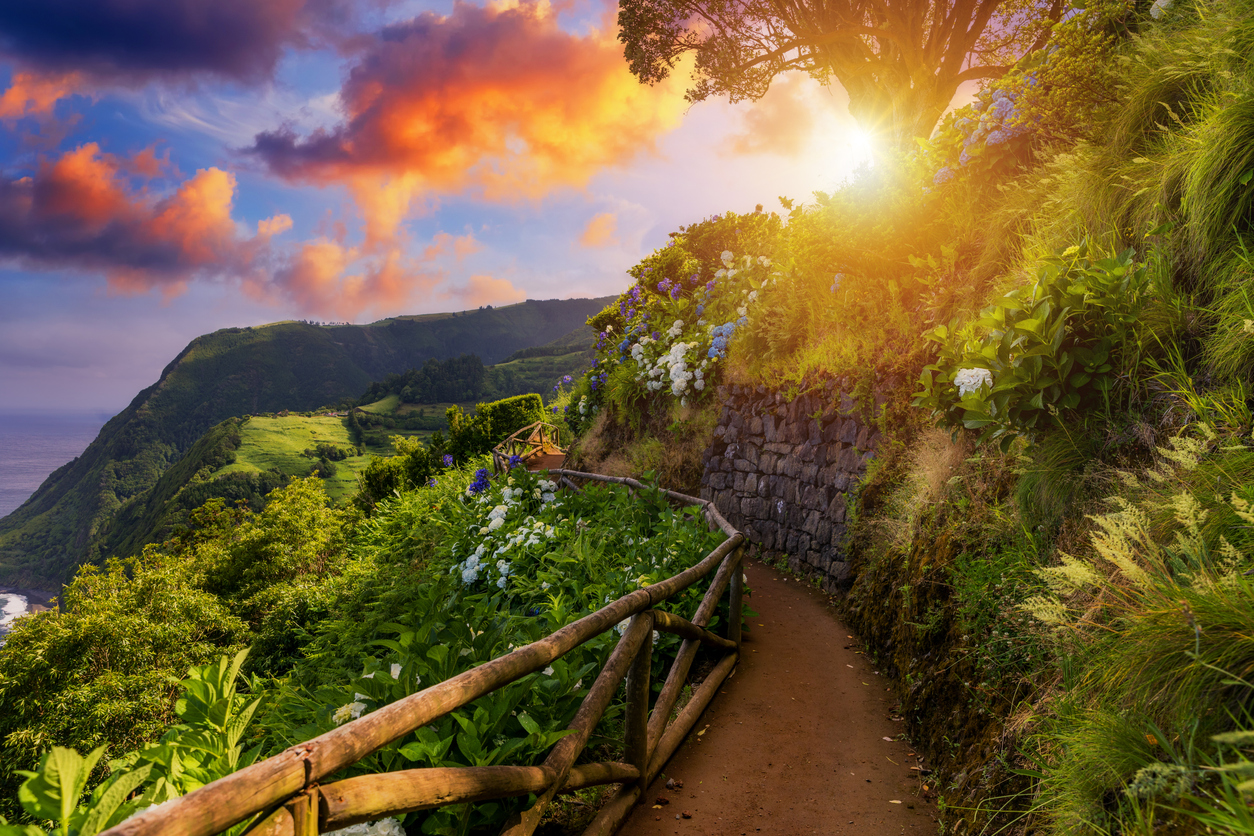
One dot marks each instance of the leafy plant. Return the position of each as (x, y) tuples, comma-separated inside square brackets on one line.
[(1043, 354)]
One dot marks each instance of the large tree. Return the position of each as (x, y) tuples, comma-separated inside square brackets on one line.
[(901, 61)]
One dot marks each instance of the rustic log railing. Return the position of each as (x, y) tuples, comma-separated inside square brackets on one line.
[(531, 442), (286, 788)]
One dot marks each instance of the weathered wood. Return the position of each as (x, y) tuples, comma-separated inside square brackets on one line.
[(269, 783), (709, 603), (735, 610), (612, 814), (670, 623), (563, 754), (596, 774), (371, 797), (278, 823), (671, 689), (636, 722), (304, 812), (678, 730)]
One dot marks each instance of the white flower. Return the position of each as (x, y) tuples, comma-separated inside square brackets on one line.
[(395, 670), (1160, 6), (344, 712), (753, 297), (728, 258), (544, 585), (499, 512), (548, 671), (971, 380), (495, 524), (385, 827)]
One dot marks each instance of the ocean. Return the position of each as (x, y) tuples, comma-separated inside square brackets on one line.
[(32, 445), (11, 606)]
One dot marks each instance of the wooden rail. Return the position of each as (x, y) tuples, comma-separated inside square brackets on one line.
[(286, 788), (531, 442)]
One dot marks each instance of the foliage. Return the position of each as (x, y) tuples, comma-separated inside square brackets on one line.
[(98, 674), (232, 373), (1042, 354), (900, 71), (205, 746)]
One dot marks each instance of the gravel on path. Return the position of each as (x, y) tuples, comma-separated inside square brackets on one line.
[(798, 741)]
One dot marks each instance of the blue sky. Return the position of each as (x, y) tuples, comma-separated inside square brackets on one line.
[(167, 172)]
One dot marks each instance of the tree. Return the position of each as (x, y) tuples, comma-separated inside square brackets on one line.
[(901, 61)]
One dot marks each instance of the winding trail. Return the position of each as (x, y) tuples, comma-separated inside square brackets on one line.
[(795, 743)]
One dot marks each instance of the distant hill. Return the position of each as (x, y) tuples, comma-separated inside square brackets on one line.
[(244, 371)]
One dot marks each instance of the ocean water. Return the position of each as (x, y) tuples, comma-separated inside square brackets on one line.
[(11, 606), (32, 445)]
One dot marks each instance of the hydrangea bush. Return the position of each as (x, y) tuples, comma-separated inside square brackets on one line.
[(523, 560), (666, 339)]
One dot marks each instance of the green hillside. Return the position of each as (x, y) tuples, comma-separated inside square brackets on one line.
[(242, 371)]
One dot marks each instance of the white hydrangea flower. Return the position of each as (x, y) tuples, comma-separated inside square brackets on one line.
[(353, 710), (727, 258), (972, 380), (395, 670), (384, 827)]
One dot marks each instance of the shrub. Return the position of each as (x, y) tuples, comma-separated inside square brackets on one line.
[(1042, 355)]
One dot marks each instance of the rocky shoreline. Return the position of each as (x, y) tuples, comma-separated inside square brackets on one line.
[(37, 600)]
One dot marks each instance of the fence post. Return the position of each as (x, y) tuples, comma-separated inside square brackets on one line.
[(736, 592), (637, 719), (304, 810)]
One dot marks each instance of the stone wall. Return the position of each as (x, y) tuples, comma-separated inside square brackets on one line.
[(781, 471)]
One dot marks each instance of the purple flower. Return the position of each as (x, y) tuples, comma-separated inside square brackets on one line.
[(515, 461), (448, 460), (481, 482), (566, 379), (656, 335), (431, 483)]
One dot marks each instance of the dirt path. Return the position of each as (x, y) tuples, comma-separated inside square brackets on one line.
[(795, 741)]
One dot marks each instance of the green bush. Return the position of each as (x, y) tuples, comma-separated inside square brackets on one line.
[(1045, 354)]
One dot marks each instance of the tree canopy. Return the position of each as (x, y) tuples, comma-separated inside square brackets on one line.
[(901, 61)]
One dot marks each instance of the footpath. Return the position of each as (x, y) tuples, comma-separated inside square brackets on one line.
[(800, 739)]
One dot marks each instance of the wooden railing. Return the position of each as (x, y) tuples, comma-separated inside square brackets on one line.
[(532, 441), (286, 788)]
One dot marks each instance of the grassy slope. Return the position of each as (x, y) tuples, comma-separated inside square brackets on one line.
[(242, 371), (279, 444)]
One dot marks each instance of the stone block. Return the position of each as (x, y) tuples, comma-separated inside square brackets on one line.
[(766, 462), (735, 421), (751, 452), (732, 434), (849, 431), (779, 448), (811, 524), (823, 532), (755, 425), (806, 452), (744, 466), (836, 511), (814, 432), (777, 512), (738, 482), (809, 473), (751, 484), (768, 427), (717, 481)]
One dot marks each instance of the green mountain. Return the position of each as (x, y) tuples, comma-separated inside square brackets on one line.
[(243, 371)]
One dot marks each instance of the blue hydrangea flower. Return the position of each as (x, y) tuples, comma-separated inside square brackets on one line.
[(515, 461), (481, 482), (943, 175)]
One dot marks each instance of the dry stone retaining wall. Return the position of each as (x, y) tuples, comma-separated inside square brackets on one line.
[(782, 471)]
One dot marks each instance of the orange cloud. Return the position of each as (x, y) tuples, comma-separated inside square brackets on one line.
[(80, 211), (600, 231), (460, 246), (486, 290), (36, 94), (499, 102), (778, 123)]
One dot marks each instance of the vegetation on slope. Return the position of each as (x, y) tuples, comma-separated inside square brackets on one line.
[(237, 372)]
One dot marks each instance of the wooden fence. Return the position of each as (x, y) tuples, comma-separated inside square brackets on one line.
[(531, 443), (286, 788)]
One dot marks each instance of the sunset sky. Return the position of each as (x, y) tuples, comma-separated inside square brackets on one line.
[(170, 167)]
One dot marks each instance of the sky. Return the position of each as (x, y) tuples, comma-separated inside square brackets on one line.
[(172, 167)]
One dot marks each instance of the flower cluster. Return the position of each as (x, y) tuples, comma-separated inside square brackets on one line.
[(508, 531), (480, 484), (994, 120), (972, 380)]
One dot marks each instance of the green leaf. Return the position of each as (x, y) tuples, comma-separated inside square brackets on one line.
[(109, 797), (53, 791)]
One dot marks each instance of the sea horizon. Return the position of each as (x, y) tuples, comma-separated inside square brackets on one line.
[(35, 442)]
